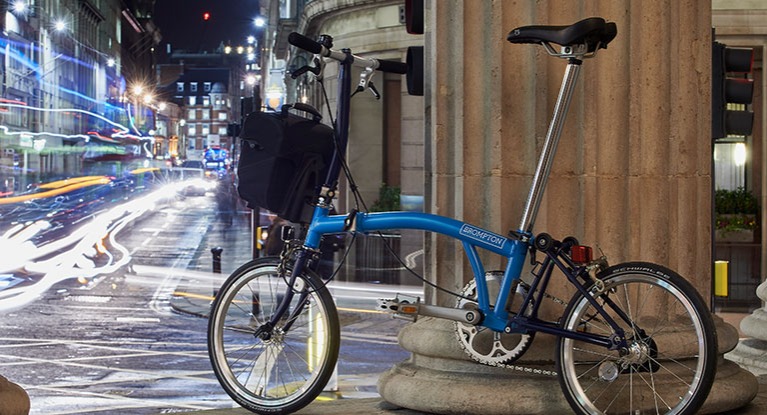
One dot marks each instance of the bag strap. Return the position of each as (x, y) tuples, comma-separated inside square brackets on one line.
[(302, 107)]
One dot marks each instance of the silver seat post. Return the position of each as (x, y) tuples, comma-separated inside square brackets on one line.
[(546, 158)]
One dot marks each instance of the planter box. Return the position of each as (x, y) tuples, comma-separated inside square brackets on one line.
[(737, 235)]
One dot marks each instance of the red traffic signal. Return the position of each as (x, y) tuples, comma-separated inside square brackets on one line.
[(206, 16), (414, 16)]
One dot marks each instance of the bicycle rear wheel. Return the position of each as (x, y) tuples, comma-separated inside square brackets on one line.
[(272, 370), (670, 364)]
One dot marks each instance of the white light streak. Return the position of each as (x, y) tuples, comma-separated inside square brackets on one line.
[(71, 256)]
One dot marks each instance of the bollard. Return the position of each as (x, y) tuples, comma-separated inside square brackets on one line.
[(720, 278), (217, 258), (216, 264)]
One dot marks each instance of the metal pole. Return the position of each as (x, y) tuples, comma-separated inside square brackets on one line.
[(216, 264)]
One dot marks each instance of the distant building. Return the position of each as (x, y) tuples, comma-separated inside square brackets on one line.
[(207, 88)]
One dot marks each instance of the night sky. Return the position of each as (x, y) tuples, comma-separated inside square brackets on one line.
[(181, 23)]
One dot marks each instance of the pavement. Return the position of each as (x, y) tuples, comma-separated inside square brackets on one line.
[(237, 250)]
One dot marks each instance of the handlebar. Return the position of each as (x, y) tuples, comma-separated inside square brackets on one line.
[(300, 41)]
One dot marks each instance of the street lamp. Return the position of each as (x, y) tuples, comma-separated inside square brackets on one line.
[(181, 133), (59, 25), (259, 21), (19, 7)]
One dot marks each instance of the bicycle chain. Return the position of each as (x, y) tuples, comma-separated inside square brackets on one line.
[(518, 368)]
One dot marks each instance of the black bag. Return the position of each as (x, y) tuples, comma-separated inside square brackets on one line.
[(283, 161)]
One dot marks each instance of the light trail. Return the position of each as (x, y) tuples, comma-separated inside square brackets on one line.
[(74, 255), (59, 189), (122, 131)]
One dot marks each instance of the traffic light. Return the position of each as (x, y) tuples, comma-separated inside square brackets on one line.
[(414, 24), (414, 16), (233, 129), (206, 16), (727, 119)]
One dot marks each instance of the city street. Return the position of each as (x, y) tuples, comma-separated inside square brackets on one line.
[(114, 344)]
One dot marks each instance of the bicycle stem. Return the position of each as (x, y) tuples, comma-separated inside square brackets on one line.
[(342, 121), (548, 152)]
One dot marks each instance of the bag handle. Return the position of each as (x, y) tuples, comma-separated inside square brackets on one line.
[(300, 106)]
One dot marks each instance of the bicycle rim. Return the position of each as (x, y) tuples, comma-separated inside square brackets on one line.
[(285, 370), (668, 369)]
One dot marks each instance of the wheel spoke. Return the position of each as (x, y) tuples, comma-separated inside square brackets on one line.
[(266, 368), (660, 371)]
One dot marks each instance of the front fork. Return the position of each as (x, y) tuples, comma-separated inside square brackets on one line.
[(300, 257)]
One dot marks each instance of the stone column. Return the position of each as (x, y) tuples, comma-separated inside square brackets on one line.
[(632, 173), (13, 399)]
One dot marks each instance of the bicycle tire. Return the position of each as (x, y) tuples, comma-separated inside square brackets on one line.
[(669, 369), (288, 370)]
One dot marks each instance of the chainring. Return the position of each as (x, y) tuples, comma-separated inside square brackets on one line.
[(485, 345)]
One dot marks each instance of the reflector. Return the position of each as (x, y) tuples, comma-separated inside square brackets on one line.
[(581, 254)]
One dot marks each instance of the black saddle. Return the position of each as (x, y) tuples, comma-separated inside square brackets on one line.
[(593, 32)]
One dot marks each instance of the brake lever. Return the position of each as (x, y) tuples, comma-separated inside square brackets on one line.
[(316, 69), (366, 81), (359, 89), (300, 71), (374, 90)]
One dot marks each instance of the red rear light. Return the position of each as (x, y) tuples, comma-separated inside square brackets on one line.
[(581, 254)]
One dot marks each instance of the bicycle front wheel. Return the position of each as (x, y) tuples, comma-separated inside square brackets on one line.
[(280, 369), (670, 363)]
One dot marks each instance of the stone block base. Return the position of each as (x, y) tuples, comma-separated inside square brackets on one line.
[(439, 378)]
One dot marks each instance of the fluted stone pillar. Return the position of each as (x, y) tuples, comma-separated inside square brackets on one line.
[(632, 173)]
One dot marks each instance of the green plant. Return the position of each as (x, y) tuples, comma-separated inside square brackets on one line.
[(735, 209), (739, 200), (388, 199)]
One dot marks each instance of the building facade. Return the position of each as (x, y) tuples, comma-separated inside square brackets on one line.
[(66, 67), (386, 147)]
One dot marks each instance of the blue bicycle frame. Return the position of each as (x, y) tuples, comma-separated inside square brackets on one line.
[(513, 248), (472, 238)]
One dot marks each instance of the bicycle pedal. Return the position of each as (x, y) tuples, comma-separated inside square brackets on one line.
[(400, 308)]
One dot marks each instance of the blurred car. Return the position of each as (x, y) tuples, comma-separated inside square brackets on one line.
[(192, 172), (193, 164), (215, 170)]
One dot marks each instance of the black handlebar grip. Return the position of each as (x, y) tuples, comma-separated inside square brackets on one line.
[(392, 66), (303, 42)]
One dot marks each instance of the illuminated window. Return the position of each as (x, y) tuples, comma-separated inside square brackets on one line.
[(730, 159)]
